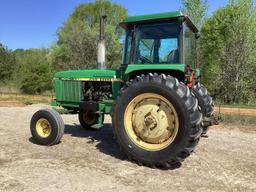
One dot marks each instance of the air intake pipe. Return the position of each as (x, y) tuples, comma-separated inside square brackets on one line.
[(101, 57)]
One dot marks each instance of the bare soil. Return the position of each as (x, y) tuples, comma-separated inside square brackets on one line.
[(18, 100), (92, 161), (237, 111)]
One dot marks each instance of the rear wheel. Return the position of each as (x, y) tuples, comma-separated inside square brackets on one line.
[(87, 119), (156, 121), (47, 127), (205, 102)]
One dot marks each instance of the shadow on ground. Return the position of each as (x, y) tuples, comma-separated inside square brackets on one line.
[(104, 137), (105, 141)]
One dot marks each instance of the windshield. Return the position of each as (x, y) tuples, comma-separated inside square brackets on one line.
[(156, 43)]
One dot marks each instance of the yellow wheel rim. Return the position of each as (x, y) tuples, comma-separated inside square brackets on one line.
[(151, 121), (89, 118), (43, 128)]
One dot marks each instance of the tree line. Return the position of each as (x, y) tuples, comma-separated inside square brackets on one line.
[(76, 48), (225, 51)]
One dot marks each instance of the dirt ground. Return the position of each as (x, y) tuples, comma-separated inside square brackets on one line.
[(237, 111), (91, 160)]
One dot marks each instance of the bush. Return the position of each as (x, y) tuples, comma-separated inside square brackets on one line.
[(34, 70)]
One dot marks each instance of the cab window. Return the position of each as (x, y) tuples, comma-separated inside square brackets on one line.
[(157, 43), (189, 47)]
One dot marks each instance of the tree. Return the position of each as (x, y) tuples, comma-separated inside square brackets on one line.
[(196, 10), (34, 69), (7, 63), (76, 47), (228, 52), (77, 38)]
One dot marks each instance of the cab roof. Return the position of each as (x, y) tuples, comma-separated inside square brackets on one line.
[(157, 18)]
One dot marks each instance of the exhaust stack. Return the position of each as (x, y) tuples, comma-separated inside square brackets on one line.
[(101, 57)]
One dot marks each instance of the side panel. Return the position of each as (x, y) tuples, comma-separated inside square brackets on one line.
[(72, 90), (68, 91), (58, 89), (69, 86)]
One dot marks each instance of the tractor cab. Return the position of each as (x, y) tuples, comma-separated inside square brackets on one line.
[(166, 38)]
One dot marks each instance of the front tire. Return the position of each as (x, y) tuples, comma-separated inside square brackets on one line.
[(47, 127), (87, 119), (156, 121)]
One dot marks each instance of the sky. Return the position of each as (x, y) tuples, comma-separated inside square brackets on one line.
[(33, 23)]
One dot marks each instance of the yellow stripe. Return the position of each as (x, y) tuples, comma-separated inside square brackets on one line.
[(90, 79)]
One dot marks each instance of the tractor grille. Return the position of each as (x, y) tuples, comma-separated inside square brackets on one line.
[(68, 90)]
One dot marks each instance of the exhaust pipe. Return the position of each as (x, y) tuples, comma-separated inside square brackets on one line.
[(101, 57)]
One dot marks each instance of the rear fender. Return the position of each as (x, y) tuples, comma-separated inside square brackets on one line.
[(175, 70)]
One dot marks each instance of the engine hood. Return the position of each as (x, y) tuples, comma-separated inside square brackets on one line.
[(91, 74)]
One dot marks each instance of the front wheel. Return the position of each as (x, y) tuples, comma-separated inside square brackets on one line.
[(87, 119), (47, 127), (156, 121)]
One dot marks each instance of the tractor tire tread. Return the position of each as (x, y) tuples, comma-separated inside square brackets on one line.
[(191, 107), (205, 102)]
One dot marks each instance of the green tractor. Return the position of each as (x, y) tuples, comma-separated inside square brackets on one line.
[(158, 106)]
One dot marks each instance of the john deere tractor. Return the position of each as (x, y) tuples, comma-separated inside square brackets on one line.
[(158, 106)]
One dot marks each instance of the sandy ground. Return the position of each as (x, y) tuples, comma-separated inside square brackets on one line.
[(91, 160), (237, 111)]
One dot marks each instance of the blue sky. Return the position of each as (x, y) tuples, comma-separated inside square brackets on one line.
[(33, 23)]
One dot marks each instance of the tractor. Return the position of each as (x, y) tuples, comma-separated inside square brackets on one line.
[(158, 106)]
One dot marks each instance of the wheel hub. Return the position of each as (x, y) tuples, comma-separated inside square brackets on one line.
[(89, 117), (153, 121), (43, 128), (150, 122)]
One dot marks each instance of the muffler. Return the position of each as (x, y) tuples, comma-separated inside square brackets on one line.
[(101, 56)]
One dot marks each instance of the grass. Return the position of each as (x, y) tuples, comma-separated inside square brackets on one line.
[(25, 99), (244, 120)]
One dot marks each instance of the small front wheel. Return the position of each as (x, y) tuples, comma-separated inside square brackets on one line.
[(47, 127), (87, 119)]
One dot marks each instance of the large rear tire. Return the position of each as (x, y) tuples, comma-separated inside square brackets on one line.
[(205, 103), (156, 121), (47, 127)]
